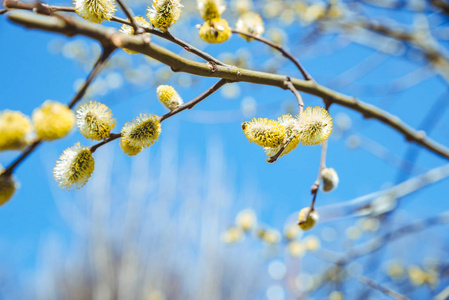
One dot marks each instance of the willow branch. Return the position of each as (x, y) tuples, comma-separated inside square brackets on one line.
[(195, 101), (278, 48), (377, 286), (181, 64)]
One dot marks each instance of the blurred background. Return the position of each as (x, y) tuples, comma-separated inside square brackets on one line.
[(201, 214)]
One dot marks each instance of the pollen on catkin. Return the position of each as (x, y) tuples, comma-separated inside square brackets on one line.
[(211, 9), (168, 96), (129, 30), (94, 120), (250, 22), (141, 132), (15, 130), (95, 10), (74, 167), (264, 132), (315, 126), (330, 179), (164, 13), (52, 120), (7, 187), (215, 31), (290, 124), (307, 221)]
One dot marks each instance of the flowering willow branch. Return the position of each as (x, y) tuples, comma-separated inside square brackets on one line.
[(187, 105), (99, 64), (387, 291), (181, 64), (278, 48)]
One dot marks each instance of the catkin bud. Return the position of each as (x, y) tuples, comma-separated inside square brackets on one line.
[(168, 96), (307, 221), (330, 179), (211, 9), (52, 120)]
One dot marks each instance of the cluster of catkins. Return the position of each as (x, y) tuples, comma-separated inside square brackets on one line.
[(312, 127), (164, 13), (54, 120)]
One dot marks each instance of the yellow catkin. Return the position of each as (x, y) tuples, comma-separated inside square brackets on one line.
[(94, 120), (52, 120), (215, 31), (74, 167), (95, 10), (164, 13), (264, 132), (246, 219), (314, 126), (128, 149), (15, 130), (290, 124), (141, 132)]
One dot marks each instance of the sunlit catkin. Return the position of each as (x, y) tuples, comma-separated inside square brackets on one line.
[(129, 30), (290, 124), (264, 132), (74, 167), (15, 130), (252, 23), (164, 13), (7, 187), (95, 10), (246, 219), (94, 120), (52, 120), (314, 126), (330, 179), (141, 132), (307, 221), (215, 31), (168, 96), (129, 149), (211, 9)]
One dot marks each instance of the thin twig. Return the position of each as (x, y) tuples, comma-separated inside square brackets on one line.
[(99, 64), (275, 157), (387, 291), (8, 171), (112, 136), (278, 48), (130, 16), (195, 101)]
